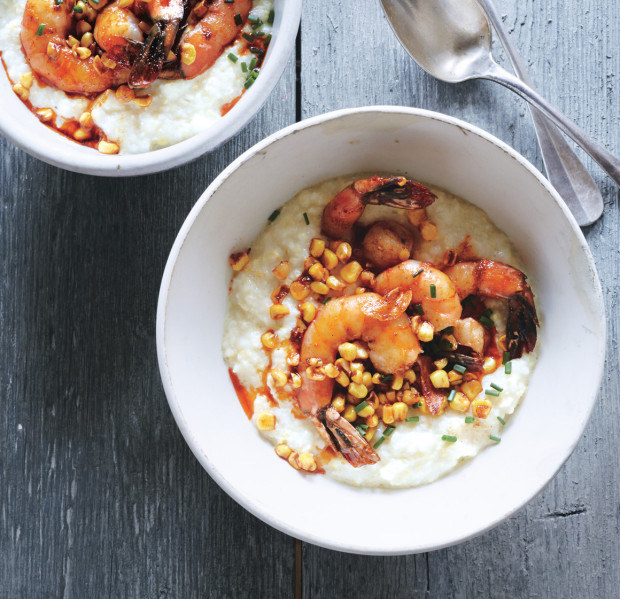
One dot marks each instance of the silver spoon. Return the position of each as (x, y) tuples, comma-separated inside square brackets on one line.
[(454, 45), (564, 169)]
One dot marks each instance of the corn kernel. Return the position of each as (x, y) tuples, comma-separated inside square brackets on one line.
[(281, 271), (339, 403), (404, 254), (439, 378), (27, 79), (317, 246), (356, 367), (501, 343), (292, 359), (51, 49), (299, 291), (283, 450), (124, 94), (278, 377), (315, 373), (441, 364), (306, 462), (460, 402), (428, 230), (471, 388), (143, 101), (86, 120), (367, 379), (126, 3), (400, 411), (108, 63), (108, 147), (188, 53), (372, 421), (426, 332), (357, 377), (329, 258), (451, 340), (397, 382), (295, 380), (309, 261), (83, 27), (360, 391), (277, 311), (376, 378), (350, 272), (454, 377), (308, 312), (342, 379), (73, 41), (388, 414), (344, 251), (367, 278), (238, 261), (45, 114), (266, 421), (81, 134), (331, 371), (416, 216), (316, 271), (343, 365), (21, 91), (350, 414), (410, 376), (83, 53), (86, 40), (490, 365), (410, 397), (370, 433), (481, 408), (292, 460), (391, 396), (268, 340), (348, 351), (335, 283)]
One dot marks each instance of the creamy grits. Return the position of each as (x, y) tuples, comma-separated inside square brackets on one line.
[(417, 451), (179, 108)]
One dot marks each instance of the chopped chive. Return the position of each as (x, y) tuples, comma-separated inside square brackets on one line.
[(244, 67), (271, 16), (361, 429), (326, 300), (248, 36), (256, 25), (508, 368), (492, 392), (378, 443), (469, 419), (448, 331), (494, 438), (77, 8), (232, 57), (258, 51), (417, 405), (41, 29), (487, 313), (238, 20), (361, 406), (306, 219), (460, 368), (445, 344), (486, 322), (413, 419), (418, 309), (274, 215), (96, 1), (497, 387), (57, 2), (388, 431), (229, 1), (386, 379), (253, 62), (506, 357), (258, 33), (253, 19), (502, 421), (449, 438), (452, 395), (248, 82), (433, 290), (268, 39), (418, 272)]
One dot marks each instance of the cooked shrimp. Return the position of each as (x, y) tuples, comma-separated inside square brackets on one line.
[(347, 207), (469, 332), (117, 31), (498, 280), (50, 56), (387, 243), (430, 288), (393, 348)]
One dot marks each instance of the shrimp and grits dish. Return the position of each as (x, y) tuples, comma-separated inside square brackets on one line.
[(379, 332), (132, 76)]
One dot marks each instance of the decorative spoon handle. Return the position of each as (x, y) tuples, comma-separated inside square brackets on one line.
[(564, 169)]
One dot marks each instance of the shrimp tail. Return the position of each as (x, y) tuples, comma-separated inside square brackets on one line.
[(397, 192), (433, 399), (346, 439), (465, 356), (521, 325), (150, 61)]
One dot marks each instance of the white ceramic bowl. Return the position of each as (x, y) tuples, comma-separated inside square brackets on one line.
[(25, 130), (442, 151)]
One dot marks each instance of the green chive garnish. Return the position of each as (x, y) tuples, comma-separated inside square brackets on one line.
[(494, 438), (258, 51), (249, 82), (486, 322), (40, 29), (460, 368), (248, 36), (492, 392), (445, 344), (502, 421), (378, 443), (418, 272), (508, 368), (388, 431), (78, 9), (306, 219), (487, 313), (232, 57), (418, 309), (256, 25), (452, 395), (506, 358), (272, 14), (433, 290), (244, 67), (449, 438), (469, 419), (253, 19), (268, 39), (253, 62), (497, 387), (361, 406), (413, 419), (238, 20), (386, 379), (417, 405), (274, 215), (326, 300), (360, 429), (57, 2), (229, 1)]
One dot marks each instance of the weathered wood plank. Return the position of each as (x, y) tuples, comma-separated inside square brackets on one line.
[(565, 543)]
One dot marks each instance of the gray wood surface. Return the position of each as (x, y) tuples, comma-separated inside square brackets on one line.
[(100, 496)]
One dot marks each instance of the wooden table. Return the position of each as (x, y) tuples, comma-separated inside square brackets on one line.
[(100, 495)]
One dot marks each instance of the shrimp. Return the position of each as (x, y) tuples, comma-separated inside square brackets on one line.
[(393, 348), (50, 56), (387, 243), (347, 207), (117, 32), (499, 280), (431, 288), (433, 399), (469, 332)]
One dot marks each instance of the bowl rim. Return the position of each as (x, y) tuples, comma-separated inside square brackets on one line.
[(255, 508), (155, 161)]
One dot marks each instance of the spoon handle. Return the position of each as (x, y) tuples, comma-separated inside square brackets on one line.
[(564, 169), (609, 163)]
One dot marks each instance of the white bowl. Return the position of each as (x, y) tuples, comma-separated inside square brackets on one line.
[(439, 150), (25, 130)]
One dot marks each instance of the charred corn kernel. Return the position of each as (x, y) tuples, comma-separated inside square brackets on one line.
[(441, 364), (342, 379), (360, 391), (27, 79), (350, 272), (283, 450), (391, 396), (410, 376), (81, 134), (292, 460), (268, 340), (299, 291), (83, 27), (45, 114), (357, 377), (329, 258), (460, 402), (331, 371), (367, 379), (108, 147), (21, 91), (417, 216), (397, 382), (315, 361), (376, 379), (343, 365), (73, 41), (335, 283), (281, 271), (308, 312), (481, 408), (344, 251), (400, 411), (425, 332), (372, 421), (471, 388), (316, 271), (277, 311), (451, 340), (108, 63), (356, 367), (278, 377), (367, 278), (388, 414), (86, 40), (83, 53), (295, 380), (266, 421), (98, 66), (370, 433), (143, 101), (339, 403), (490, 365), (316, 373), (309, 261), (86, 120), (349, 413), (238, 261), (188, 53), (348, 351), (292, 359), (439, 378), (124, 94), (306, 462), (454, 377), (428, 230), (317, 246)]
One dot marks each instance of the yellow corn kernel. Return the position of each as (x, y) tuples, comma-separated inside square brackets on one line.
[(348, 351), (460, 402), (281, 271), (83, 27), (309, 261), (266, 421), (86, 40), (342, 379), (81, 134), (350, 414), (292, 359), (51, 49), (404, 254), (370, 433), (299, 291), (350, 272), (45, 114), (86, 120), (108, 63), (376, 378), (410, 376), (143, 101), (490, 365), (188, 53), (331, 371), (21, 91), (400, 411), (481, 408), (278, 377), (441, 364), (295, 380), (335, 283), (278, 294), (357, 377), (27, 79), (320, 288), (360, 391), (238, 261), (308, 312), (454, 377), (343, 365), (124, 94), (315, 373), (306, 462), (277, 311), (439, 378), (451, 340), (397, 382), (471, 388), (426, 332), (339, 403), (83, 53), (410, 397), (268, 340), (367, 278), (372, 421), (367, 379), (343, 251), (292, 460), (356, 367), (417, 216), (126, 3), (316, 271), (359, 290), (428, 230), (317, 246), (330, 260), (388, 414), (390, 396), (108, 147), (283, 450), (73, 41)]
